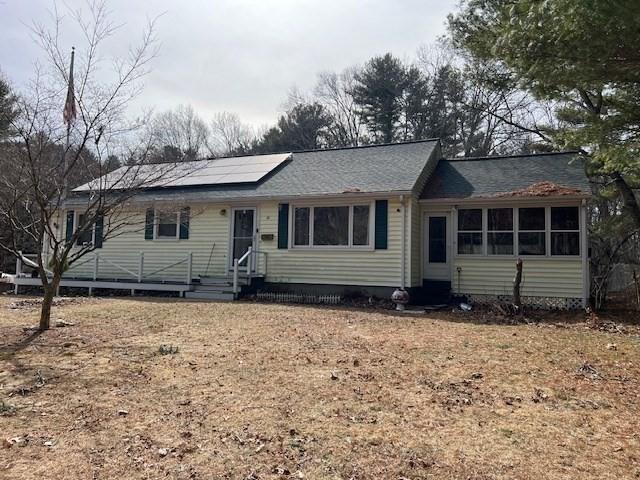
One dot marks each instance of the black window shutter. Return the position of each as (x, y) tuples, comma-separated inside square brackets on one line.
[(382, 207), (148, 224), (185, 214), (99, 231), (283, 225), (70, 217)]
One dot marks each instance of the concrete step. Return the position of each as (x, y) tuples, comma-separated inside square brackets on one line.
[(223, 296)]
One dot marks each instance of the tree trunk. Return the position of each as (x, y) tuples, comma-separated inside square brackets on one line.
[(50, 291), (517, 301), (628, 197)]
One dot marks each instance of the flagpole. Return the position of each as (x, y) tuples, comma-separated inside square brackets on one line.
[(68, 120)]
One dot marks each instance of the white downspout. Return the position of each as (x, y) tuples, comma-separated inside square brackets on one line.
[(403, 248)]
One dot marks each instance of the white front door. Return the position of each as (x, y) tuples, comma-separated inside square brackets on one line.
[(437, 246), (243, 232)]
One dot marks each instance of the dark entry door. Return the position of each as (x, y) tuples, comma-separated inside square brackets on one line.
[(437, 251), (243, 232)]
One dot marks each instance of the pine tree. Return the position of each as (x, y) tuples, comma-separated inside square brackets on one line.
[(378, 93), (580, 54)]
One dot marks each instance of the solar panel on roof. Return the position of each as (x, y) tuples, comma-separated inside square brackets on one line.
[(220, 171)]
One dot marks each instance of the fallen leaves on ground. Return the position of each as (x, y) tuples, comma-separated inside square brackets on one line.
[(259, 391)]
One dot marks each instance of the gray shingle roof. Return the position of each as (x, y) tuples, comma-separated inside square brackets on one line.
[(477, 177), (369, 169)]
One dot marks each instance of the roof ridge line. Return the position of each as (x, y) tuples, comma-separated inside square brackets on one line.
[(330, 149), (373, 145), (518, 155)]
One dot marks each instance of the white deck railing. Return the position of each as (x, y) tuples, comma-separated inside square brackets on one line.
[(141, 267)]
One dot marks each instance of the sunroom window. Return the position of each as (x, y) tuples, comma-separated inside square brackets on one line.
[(565, 231), (470, 231), (500, 231), (531, 231), (332, 226)]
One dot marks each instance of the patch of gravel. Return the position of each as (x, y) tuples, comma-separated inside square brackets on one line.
[(29, 303)]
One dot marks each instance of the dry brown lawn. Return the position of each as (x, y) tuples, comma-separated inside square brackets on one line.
[(258, 391)]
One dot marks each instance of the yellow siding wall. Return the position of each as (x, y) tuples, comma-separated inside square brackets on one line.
[(206, 227), (321, 266), (548, 277), (332, 266), (553, 277)]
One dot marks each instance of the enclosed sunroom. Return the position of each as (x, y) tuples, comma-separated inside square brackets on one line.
[(481, 214)]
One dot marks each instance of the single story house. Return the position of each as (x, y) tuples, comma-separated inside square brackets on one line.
[(366, 219)]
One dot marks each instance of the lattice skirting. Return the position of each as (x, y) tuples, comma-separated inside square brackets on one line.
[(281, 297), (545, 303)]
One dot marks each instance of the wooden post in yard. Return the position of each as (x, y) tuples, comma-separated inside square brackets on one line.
[(636, 281), (517, 301)]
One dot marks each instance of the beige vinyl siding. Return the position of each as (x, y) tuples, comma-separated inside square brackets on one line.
[(348, 266), (542, 277), (207, 226)]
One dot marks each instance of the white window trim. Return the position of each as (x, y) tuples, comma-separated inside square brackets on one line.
[(156, 225), (350, 246), (516, 231)]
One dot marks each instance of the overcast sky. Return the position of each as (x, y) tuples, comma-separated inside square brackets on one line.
[(238, 55)]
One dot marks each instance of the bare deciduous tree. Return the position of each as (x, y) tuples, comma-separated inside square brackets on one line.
[(333, 91), (229, 136), (50, 156), (182, 132)]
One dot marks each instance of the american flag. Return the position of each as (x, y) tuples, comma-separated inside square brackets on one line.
[(69, 114)]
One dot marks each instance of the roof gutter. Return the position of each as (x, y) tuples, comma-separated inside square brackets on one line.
[(69, 202), (492, 200)]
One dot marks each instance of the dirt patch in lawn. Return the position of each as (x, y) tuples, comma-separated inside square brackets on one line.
[(163, 388)]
